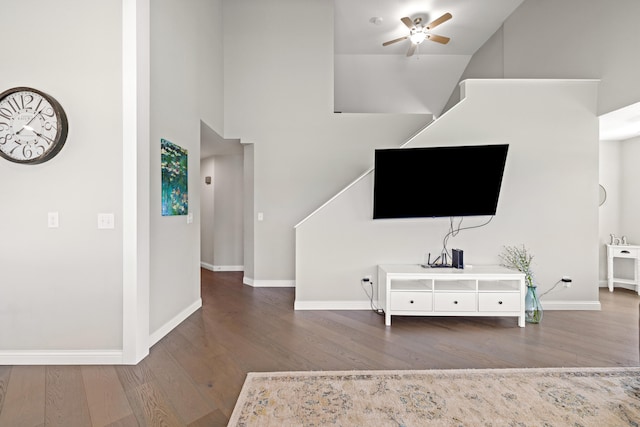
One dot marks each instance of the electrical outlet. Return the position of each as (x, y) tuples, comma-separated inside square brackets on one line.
[(566, 281), (366, 279), (52, 220)]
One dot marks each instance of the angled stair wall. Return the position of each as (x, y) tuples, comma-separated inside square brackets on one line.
[(548, 202)]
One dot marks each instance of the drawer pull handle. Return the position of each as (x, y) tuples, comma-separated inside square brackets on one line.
[(455, 302), (411, 301), (625, 252), (500, 302)]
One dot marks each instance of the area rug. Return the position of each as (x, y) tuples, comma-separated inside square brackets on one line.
[(483, 397)]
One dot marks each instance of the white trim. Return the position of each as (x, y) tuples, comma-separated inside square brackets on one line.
[(212, 267), (179, 318), (571, 305), (332, 305), (135, 180), (61, 357), (269, 283)]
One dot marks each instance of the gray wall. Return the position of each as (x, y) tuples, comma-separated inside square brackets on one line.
[(568, 39), (185, 52), (61, 289), (222, 236), (548, 201), (207, 168), (249, 212), (279, 97)]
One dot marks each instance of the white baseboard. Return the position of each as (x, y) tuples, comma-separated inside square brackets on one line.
[(571, 305), (269, 283), (212, 267), (61, 357), (332, 305), (179, 318)]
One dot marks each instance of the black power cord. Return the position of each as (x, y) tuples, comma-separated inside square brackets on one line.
[(453, 232), (375, 309)]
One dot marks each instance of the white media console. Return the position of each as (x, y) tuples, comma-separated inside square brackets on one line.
[(412, 290)]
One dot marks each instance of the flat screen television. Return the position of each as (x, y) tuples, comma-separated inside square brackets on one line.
[(438, 181)]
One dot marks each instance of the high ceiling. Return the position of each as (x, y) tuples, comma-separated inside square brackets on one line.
[(472, 24), (430, 75)]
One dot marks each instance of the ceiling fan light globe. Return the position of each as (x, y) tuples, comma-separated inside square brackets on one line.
[(418, 37)]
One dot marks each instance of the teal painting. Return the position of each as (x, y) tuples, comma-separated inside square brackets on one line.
[(175, 196)]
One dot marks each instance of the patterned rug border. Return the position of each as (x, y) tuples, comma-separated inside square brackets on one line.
[(468, 371)]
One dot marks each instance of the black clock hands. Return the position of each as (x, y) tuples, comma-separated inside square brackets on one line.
[(42, 136), (26, 125)]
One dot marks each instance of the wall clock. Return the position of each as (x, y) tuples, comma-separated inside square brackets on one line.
[(33, 126)]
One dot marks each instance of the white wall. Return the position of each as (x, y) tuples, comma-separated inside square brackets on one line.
[(619, 214), (630, 188), (61, 289), (279, 97), (548, 201), (610, 166)]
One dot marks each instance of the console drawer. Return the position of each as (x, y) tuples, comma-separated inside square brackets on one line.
[(411, 301), (452, 301), (498, 301), (625, 252)]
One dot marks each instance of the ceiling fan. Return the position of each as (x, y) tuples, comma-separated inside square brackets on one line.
[(419, 33)]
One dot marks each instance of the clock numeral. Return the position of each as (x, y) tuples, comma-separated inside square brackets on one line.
[(26, 151), (47, 111), (18, 145), (6, 113), (44, 137), (38, 106), (27, 100), (13, 103), (5, 139)]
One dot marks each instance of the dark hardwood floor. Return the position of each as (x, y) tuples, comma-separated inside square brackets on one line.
[(193, 376)]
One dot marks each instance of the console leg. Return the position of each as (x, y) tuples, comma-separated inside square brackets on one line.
[(387, 319), (521, 321)]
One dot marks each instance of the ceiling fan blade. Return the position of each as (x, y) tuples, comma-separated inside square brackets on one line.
[(395, 41), (408, 22), (442, 19), (438, 39), (412, 49)]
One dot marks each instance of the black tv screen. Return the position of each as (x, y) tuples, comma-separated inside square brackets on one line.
[(438, 181)]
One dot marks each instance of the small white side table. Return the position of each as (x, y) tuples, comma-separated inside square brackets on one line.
[(623, 251)]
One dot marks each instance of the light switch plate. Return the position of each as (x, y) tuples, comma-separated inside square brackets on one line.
[(189, 217), (106, 221)]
